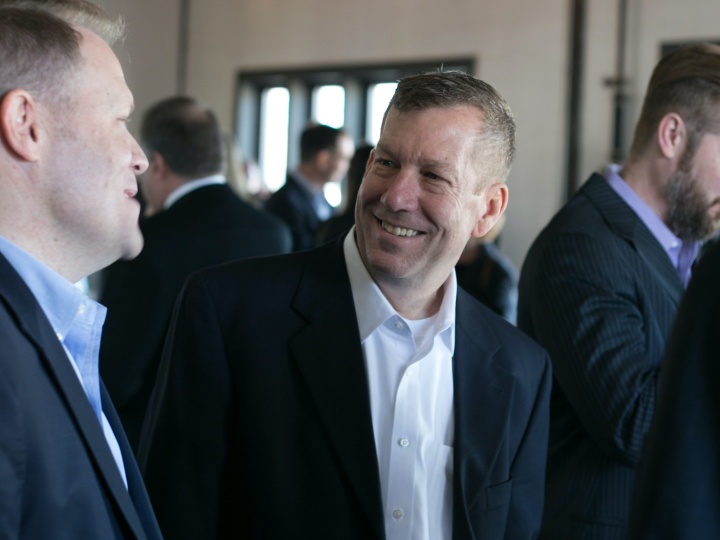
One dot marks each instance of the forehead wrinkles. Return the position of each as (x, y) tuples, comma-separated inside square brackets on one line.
[(447, 152)]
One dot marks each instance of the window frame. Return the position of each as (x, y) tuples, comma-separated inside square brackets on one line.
[(355, 79)]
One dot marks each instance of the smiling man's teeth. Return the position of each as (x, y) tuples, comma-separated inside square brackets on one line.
[(397, 231)]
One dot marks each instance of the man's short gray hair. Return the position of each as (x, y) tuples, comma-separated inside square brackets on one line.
[(442, 89)]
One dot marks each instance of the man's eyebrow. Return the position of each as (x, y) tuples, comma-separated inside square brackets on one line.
[(380, 146), (444, 167)]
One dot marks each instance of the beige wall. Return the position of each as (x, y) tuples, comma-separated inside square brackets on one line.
[(149, 53), (650, 23), (520, 47)]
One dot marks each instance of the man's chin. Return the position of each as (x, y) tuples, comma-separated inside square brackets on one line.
[(133, 248)]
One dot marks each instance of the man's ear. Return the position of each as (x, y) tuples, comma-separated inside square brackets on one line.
[(370, 161), (19, 124), (672, 136), (496, 198)]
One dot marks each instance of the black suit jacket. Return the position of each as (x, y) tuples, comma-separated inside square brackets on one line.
[(58, 478), (292, 203), (677, 492), (493, 279), (260, 424), (207, 226), (600, 294)]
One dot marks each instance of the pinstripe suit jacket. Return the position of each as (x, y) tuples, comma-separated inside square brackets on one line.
[(600, 294)]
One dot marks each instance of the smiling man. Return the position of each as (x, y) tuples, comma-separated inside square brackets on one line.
[(353, 391)]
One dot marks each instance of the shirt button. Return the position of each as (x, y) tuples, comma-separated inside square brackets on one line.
[(404, 442), (399, 325), (81, 308), (409, 372), (398, 513)]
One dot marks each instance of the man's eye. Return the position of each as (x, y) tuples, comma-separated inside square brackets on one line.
[(385, 162)]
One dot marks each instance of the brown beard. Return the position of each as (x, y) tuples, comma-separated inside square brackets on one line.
[(687, 207)]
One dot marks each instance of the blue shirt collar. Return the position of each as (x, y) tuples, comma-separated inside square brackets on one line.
[(59, 299), (76, 319)]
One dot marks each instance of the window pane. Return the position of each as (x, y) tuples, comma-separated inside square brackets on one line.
[(274, 117), (328, 105), (333, 193), (379, 96)]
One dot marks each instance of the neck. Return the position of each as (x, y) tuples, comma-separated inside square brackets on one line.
[(647, 179), (410, 302), (311, 174), (50, 256)]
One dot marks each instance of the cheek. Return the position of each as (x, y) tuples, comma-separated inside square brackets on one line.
[(370, 191), (715, 179), (465, 215), (446, 208)]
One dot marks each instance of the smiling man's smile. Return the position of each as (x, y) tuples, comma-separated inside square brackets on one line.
[(397, 231)]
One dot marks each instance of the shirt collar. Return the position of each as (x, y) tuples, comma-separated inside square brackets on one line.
[(192, 185), (670, 243), (60, 300), (306, 184), (373, 309)]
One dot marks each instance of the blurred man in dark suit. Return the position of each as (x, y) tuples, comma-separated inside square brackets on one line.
[(343, 222), (600, 288), (196, 221), (325, 155), (488, 275)]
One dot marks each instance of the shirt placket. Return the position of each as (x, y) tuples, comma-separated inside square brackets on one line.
[(403, 453)]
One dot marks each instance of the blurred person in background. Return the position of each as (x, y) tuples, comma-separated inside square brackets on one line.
[(198, 221), (325, 154)]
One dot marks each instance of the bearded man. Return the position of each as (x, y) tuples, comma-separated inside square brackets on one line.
[(600, 289)]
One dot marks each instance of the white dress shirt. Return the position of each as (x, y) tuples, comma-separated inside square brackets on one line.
[(192, 185), (409, 368)]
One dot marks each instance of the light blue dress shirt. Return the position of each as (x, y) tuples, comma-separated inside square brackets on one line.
[(76, 320)]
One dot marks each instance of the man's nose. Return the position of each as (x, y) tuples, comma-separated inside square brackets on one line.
[(402, 192)]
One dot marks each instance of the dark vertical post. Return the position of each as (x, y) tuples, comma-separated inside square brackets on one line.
[(619, 97), (577, 52), (183, 46)]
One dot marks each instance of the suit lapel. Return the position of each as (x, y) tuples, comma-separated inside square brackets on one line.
[(34, 324), (483, 394), (140, 516), (626, 224), (330, 359)]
